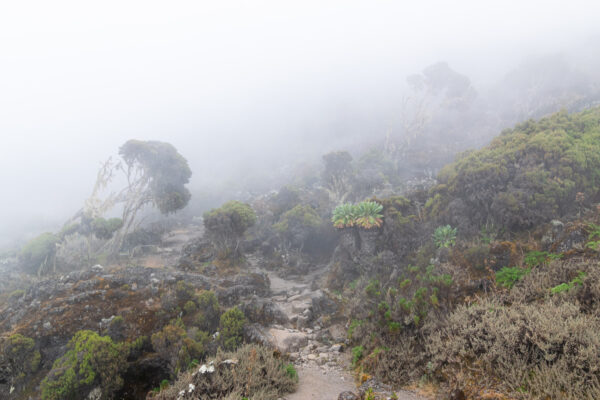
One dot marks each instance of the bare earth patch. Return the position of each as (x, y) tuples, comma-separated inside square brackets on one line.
[(314, 384)]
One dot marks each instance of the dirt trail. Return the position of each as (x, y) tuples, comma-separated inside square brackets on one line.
[(315, 385), (323, 373)]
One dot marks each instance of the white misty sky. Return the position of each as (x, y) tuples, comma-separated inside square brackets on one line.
[(223, 80)]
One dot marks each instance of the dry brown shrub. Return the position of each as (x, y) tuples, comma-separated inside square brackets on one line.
[(536, 351), (537, 285), (252, 371)]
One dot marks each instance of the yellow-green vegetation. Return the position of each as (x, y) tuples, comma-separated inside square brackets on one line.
[(527, 175), (357, 354), (290, 370), (39, 252), (90, 361), (508, 276), (173, 344), (231, 328), (566, 286), (209, 313), (21, 354)]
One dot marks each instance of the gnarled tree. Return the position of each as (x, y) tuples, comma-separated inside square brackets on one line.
[(154, 174)]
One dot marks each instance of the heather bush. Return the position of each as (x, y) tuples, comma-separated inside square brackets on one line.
[(173, 344), (528, 175), (533, 351), (231, 328), (20, 354), (252, 372), (90, 361)]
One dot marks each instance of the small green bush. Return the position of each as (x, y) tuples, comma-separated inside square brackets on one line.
[(357, 354), (173, 344), (565, 287), (231, 328), (209, 313), (20, 352), (90, 361), (226, 225), (536, 258), (508, 276), (291, 372), (373, 289), (190, 307)]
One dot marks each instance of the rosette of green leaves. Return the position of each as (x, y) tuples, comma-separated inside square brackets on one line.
[(369, 215), (344, 216), (444, 236)]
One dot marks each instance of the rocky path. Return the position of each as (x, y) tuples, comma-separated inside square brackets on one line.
[(314, 384), (317, 348)]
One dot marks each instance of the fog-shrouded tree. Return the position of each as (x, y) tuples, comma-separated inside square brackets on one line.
[(152, 173)]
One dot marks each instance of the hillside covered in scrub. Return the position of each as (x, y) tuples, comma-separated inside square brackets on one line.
[(482, 284), (497, 295)]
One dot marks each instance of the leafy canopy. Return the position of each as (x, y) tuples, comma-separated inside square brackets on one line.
[(166, 170)]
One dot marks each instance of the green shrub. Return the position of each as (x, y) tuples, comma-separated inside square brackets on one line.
[(291, 372), (190, 307), (508, 276), (209, 313), (231, 328), (565, 287), (19, 352), (357, 354), (373, 289), (355, 323), (297, 225), (90, 361), (528, 175), (226, 225), (173, 344), (536, 258), (184, 291)]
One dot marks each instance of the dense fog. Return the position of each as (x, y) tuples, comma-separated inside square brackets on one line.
[(247, 91)]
